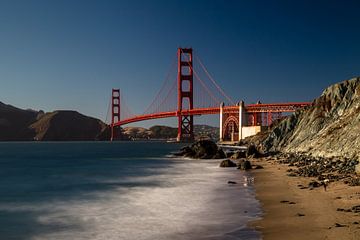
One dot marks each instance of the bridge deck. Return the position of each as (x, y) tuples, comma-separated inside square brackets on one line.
[(251, 108)]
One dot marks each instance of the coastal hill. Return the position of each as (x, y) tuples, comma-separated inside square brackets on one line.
[(68, 125), (166, 132), (328, 128), (14, 123), (28, 125)]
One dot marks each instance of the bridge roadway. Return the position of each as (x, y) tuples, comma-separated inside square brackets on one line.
[(251, 108)]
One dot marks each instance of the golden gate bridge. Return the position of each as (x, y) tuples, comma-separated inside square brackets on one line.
[(189, 90)]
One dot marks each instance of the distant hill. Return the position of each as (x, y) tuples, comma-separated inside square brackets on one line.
[(27, 125), (206, 131), (14, 123), (165, 132), (68, 125)]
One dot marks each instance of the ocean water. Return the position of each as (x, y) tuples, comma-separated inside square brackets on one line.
[(119, 190)]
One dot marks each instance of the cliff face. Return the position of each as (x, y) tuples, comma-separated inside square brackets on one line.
[(330, 127)]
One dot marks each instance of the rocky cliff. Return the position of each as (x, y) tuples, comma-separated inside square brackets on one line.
[(328, 128)]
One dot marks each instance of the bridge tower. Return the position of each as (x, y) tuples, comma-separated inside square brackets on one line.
[(185, 94), (115, 112)]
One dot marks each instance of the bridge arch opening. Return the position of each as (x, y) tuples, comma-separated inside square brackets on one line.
[(231, 129)]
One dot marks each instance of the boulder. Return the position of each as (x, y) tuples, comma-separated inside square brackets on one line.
[(252, 152), (244, 165), (314, 184), (227, 163), (203, 149)]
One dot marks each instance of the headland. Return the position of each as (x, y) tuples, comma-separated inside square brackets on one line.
[(310, 184)]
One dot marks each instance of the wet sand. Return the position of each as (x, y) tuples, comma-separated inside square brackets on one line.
[(294, 213)]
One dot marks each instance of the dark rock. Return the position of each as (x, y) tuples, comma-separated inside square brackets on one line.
[(300, 214), (244, 165), (203, 149), (284, 201), (219, 154), (340, 225), (356, 209), (252, 152), (292, 203), (232, 182), (355, 223), (314, 184), (354, 182), (227, 163)]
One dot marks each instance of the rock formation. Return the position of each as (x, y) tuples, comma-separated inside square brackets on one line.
[(203, 149), (330, 127)]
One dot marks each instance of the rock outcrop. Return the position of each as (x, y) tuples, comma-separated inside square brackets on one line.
[(244, 164), (330, 127), (203, 149)]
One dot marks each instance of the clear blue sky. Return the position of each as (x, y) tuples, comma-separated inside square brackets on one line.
[(69, 54)]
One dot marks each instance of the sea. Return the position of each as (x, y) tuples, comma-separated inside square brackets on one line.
[(120, 190)]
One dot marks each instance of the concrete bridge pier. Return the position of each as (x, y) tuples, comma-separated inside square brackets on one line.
[(221, 121), (241, 119)]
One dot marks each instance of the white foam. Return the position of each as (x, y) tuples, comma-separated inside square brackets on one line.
[(193, 201)]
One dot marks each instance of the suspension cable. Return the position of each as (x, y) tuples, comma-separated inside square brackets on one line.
[(214, 82), (202, 83)]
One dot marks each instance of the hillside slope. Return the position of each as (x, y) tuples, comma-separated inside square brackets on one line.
[(330, 127), (67, 126), (14, 123), (26, 125)]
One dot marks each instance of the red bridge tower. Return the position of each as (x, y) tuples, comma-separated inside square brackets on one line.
[(115, 111), (185, 94)]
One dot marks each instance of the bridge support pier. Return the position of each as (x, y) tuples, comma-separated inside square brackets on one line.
[(221, 137), (241, 118)]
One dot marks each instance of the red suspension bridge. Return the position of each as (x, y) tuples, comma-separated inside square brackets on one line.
[(189, 90)]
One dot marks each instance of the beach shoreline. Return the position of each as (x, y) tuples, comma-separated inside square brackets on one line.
[(291, 211)]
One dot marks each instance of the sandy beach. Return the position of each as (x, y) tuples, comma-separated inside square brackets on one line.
[(294, 213)]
